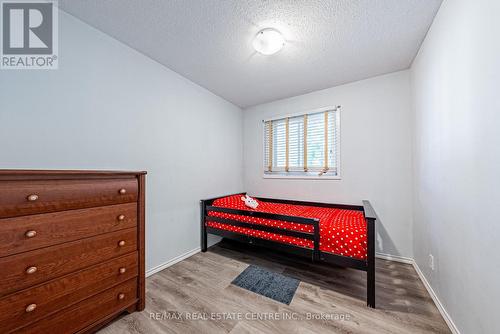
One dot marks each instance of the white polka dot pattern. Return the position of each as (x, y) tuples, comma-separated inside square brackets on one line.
[(342, 232)]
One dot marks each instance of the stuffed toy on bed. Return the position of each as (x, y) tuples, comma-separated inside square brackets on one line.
[(250, 202)]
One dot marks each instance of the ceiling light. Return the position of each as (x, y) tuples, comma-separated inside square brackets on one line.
[(268, 41)]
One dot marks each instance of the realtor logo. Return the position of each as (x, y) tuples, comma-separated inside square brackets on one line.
[(29, 34)]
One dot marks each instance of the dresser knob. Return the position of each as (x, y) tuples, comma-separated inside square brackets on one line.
[(30, 234), (122, 270), (31, 270), (122, 191), (121, 243), (121, 296), (121, 217), (32, 197), (30, 308)]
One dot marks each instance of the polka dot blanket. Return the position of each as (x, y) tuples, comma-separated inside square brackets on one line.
[(342, 232)]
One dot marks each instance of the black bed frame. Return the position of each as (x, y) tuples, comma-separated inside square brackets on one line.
[(315, 254)]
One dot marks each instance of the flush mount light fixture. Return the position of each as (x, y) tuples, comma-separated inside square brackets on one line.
[(268, 41)]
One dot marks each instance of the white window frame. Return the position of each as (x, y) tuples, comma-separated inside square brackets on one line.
[(303, 175)]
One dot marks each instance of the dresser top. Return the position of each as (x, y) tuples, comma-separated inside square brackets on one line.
[(14, 174)]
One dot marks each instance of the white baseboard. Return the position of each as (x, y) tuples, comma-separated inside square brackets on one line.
[(436, 300), (395, 258), (167, 264)]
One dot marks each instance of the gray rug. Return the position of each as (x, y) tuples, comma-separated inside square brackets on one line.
[(267, 283)]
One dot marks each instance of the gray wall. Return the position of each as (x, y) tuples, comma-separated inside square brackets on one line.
[(375, 153), (110, 107), (456, 82)]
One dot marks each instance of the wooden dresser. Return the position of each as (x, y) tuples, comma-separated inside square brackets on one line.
[(71, 249)]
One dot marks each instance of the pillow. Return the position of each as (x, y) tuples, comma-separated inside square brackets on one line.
[(250, 202)]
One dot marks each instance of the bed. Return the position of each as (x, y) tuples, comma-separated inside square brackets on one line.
[(333, 233)]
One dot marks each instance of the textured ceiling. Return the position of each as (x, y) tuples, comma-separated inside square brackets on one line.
[(329, 42)]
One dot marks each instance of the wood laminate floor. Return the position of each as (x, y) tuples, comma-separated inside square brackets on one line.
[(196, 296)]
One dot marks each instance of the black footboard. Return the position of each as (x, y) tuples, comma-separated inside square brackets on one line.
[(315, 254)]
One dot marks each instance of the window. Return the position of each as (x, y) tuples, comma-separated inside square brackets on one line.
[(303, 146)]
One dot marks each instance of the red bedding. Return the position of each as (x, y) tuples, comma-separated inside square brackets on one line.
[(342, 232)]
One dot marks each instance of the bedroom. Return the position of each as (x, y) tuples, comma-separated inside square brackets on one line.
[(214, 98)]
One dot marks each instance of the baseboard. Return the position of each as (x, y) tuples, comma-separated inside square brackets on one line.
[(176, 259), (395, 258), (436, 300)]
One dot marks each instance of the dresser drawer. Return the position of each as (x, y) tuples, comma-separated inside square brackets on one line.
[(87, 312), (19, 198), (27, 306), (26, 269), (21, 234)]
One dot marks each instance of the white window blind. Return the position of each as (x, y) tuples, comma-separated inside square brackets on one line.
[(303, 145)]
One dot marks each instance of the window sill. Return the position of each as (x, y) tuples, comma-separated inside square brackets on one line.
[(312, 176)]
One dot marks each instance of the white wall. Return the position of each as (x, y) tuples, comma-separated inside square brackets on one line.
[(110, 107), (375, 153), (456, 86)]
